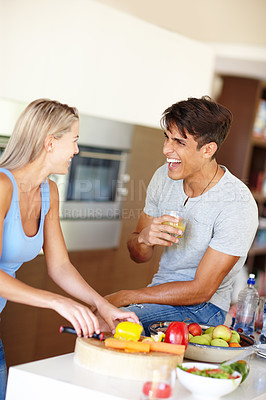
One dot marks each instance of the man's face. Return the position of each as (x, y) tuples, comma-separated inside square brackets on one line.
[(183, 157)]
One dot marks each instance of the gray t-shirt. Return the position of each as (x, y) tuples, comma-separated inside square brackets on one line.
[(224, 218)]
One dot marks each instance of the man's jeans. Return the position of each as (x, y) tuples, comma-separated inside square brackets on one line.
[(204, 314), (3, 373)]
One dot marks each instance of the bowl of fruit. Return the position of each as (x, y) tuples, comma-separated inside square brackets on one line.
[(204, 343)]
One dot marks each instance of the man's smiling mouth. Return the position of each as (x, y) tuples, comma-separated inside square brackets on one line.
[(173, 161)]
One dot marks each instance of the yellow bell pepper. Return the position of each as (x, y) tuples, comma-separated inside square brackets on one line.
[(128, 331)]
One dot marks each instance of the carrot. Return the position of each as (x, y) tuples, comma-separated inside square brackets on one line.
[(144, 347), (127, 345), (167, 347), (115, 343), (138, 346)]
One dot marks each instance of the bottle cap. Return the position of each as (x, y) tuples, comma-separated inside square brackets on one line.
[(251, 279)]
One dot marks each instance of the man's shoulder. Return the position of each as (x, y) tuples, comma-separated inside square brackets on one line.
[(236, 183), (236, 192)]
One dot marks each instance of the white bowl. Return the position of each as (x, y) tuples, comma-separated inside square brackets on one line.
[(204, 387)]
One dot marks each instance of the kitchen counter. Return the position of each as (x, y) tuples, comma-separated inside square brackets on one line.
[(62, 377)]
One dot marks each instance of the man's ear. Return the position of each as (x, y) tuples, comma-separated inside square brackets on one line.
[(209, 149), (49, 143)]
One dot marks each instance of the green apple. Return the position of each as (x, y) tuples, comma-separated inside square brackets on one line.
[(210, 329), (219, 342), (222, 332), (190, 336), (200, 339), (235, 337), (208, 336)]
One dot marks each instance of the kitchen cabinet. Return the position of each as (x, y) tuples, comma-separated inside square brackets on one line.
[(244, 151)]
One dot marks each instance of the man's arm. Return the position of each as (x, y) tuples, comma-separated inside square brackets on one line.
[(211, 271), (150, 232)]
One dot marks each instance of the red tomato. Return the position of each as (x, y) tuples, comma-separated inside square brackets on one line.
[(193, 369), (177, 333)]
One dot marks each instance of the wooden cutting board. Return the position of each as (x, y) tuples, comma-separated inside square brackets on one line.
[(92, 354)]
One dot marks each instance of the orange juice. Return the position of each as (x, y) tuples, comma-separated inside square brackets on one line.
[(180, 225)]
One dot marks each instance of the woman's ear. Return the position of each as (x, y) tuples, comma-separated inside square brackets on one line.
[(209, 149), (49, 143)]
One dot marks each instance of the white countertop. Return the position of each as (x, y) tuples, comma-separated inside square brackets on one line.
[(62, 377)]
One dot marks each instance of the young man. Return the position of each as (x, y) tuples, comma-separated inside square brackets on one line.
[(196, 272)]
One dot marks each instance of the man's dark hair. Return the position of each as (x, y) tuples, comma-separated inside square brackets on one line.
[(203, 118)]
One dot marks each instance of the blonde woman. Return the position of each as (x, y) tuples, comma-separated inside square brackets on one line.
[(44, 141)]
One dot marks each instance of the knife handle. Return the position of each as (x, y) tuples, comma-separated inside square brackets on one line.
[(69, 329)]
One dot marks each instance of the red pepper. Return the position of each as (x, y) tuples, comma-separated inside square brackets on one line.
[(177, 333)]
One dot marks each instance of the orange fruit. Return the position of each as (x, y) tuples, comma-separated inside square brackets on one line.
[(234, 344)]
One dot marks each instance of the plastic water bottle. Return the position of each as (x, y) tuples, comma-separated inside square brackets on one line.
[(262, 339), (247, 304)]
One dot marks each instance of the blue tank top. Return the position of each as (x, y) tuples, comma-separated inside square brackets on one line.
[(17, 247)]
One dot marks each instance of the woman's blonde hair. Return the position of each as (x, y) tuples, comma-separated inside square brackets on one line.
[(41, 118)]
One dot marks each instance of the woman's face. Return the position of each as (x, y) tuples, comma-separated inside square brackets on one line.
[(65, 148)]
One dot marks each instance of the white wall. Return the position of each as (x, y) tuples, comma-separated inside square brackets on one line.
[(106, 63), (236, 30), (220, 21)]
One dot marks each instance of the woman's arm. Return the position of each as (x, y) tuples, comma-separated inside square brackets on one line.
[(14, 290), (81, 317), (61, 270)]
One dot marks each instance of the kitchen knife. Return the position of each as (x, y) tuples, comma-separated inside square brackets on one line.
[(69, 329), (241, 356), (259, 349)]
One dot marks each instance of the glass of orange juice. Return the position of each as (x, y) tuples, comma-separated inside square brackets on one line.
[(181, 224)]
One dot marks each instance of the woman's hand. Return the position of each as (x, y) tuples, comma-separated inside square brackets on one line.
[(81, 317), (113, 315)]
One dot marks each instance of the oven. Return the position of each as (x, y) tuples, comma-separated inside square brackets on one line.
[(92, 193), (95, 182)]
